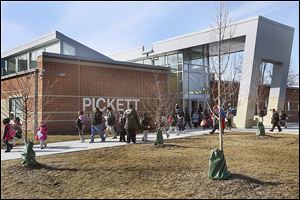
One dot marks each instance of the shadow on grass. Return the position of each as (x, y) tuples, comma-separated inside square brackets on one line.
[(176, 146), (43, 166), (249, 179)]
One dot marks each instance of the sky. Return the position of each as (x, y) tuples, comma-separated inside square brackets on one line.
[(111, 27)]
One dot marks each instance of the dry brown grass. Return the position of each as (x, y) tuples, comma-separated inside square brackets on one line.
[(266, 167)]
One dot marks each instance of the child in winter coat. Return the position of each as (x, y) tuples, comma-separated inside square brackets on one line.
[(7, 135), (81, 124), (172, 120), (145, 122), (17, 126), (121, 129), (42, 134)]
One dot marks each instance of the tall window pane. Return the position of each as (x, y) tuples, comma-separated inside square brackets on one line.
[(23, 62), (15, 107), (172, 59), (11, 66), (53, 48), (68, 49), (160, 61), (34, 56)]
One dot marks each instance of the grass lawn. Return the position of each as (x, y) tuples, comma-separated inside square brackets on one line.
[(264, 167)]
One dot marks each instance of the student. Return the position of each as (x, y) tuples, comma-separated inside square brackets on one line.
[(120, 127), (81, 124), (7, 137), (172, 120), (187, 119), (97, 125), (275, 121), (145, 122), (283, 117), (17, 126), (229, 117), (42, 134), (215, 116), (131, 124), (111, 123)]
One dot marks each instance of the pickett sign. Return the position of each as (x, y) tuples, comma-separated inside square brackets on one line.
[(117, 104)]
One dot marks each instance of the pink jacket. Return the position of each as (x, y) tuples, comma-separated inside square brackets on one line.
[(6, 136), (44, 131)]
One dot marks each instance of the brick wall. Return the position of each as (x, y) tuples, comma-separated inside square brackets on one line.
[(74, 80)]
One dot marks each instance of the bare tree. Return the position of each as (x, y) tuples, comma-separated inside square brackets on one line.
[(293, 78), (23, 89), (220, 59), (163, 102)]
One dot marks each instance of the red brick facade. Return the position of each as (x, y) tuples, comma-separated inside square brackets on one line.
[(98, 83)]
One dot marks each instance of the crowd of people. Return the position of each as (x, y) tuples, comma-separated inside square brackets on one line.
[(126, 124)]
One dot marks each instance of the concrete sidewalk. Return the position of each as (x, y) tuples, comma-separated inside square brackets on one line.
[(76, 145)]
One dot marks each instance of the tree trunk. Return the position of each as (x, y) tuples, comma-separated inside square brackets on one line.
[(219, 85)]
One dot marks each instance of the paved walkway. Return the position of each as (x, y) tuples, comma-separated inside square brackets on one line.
[(76, 145)]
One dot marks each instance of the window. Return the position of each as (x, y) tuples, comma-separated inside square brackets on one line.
[(180, 58), (160, 61), (68, 49), (173, 68), (172, 59), (54, 48), (33, 57), (22, 62), (180, 67), (11, 66), (148, 62), (15, 107)]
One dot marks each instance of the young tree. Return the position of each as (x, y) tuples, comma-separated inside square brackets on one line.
[(162, 103), (221, 49)]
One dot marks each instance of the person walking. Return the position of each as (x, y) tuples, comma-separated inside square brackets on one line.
[(97, 125), (172, 121), (215, 119), (275, 121), (7, 134), (111, 120), (42, 134), (131, 124), (283, 117), (187, 119), (81, 124), (180, 117), (120, 127), (17, 126), (145, 122), (229, 117)]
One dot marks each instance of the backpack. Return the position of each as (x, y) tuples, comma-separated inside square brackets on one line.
[(78, 124), (11, 131)]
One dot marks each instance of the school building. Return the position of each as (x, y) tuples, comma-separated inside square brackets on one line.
[(69, 76)]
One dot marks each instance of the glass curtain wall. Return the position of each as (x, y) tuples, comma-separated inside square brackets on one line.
[(196, 75), (174, 62)]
